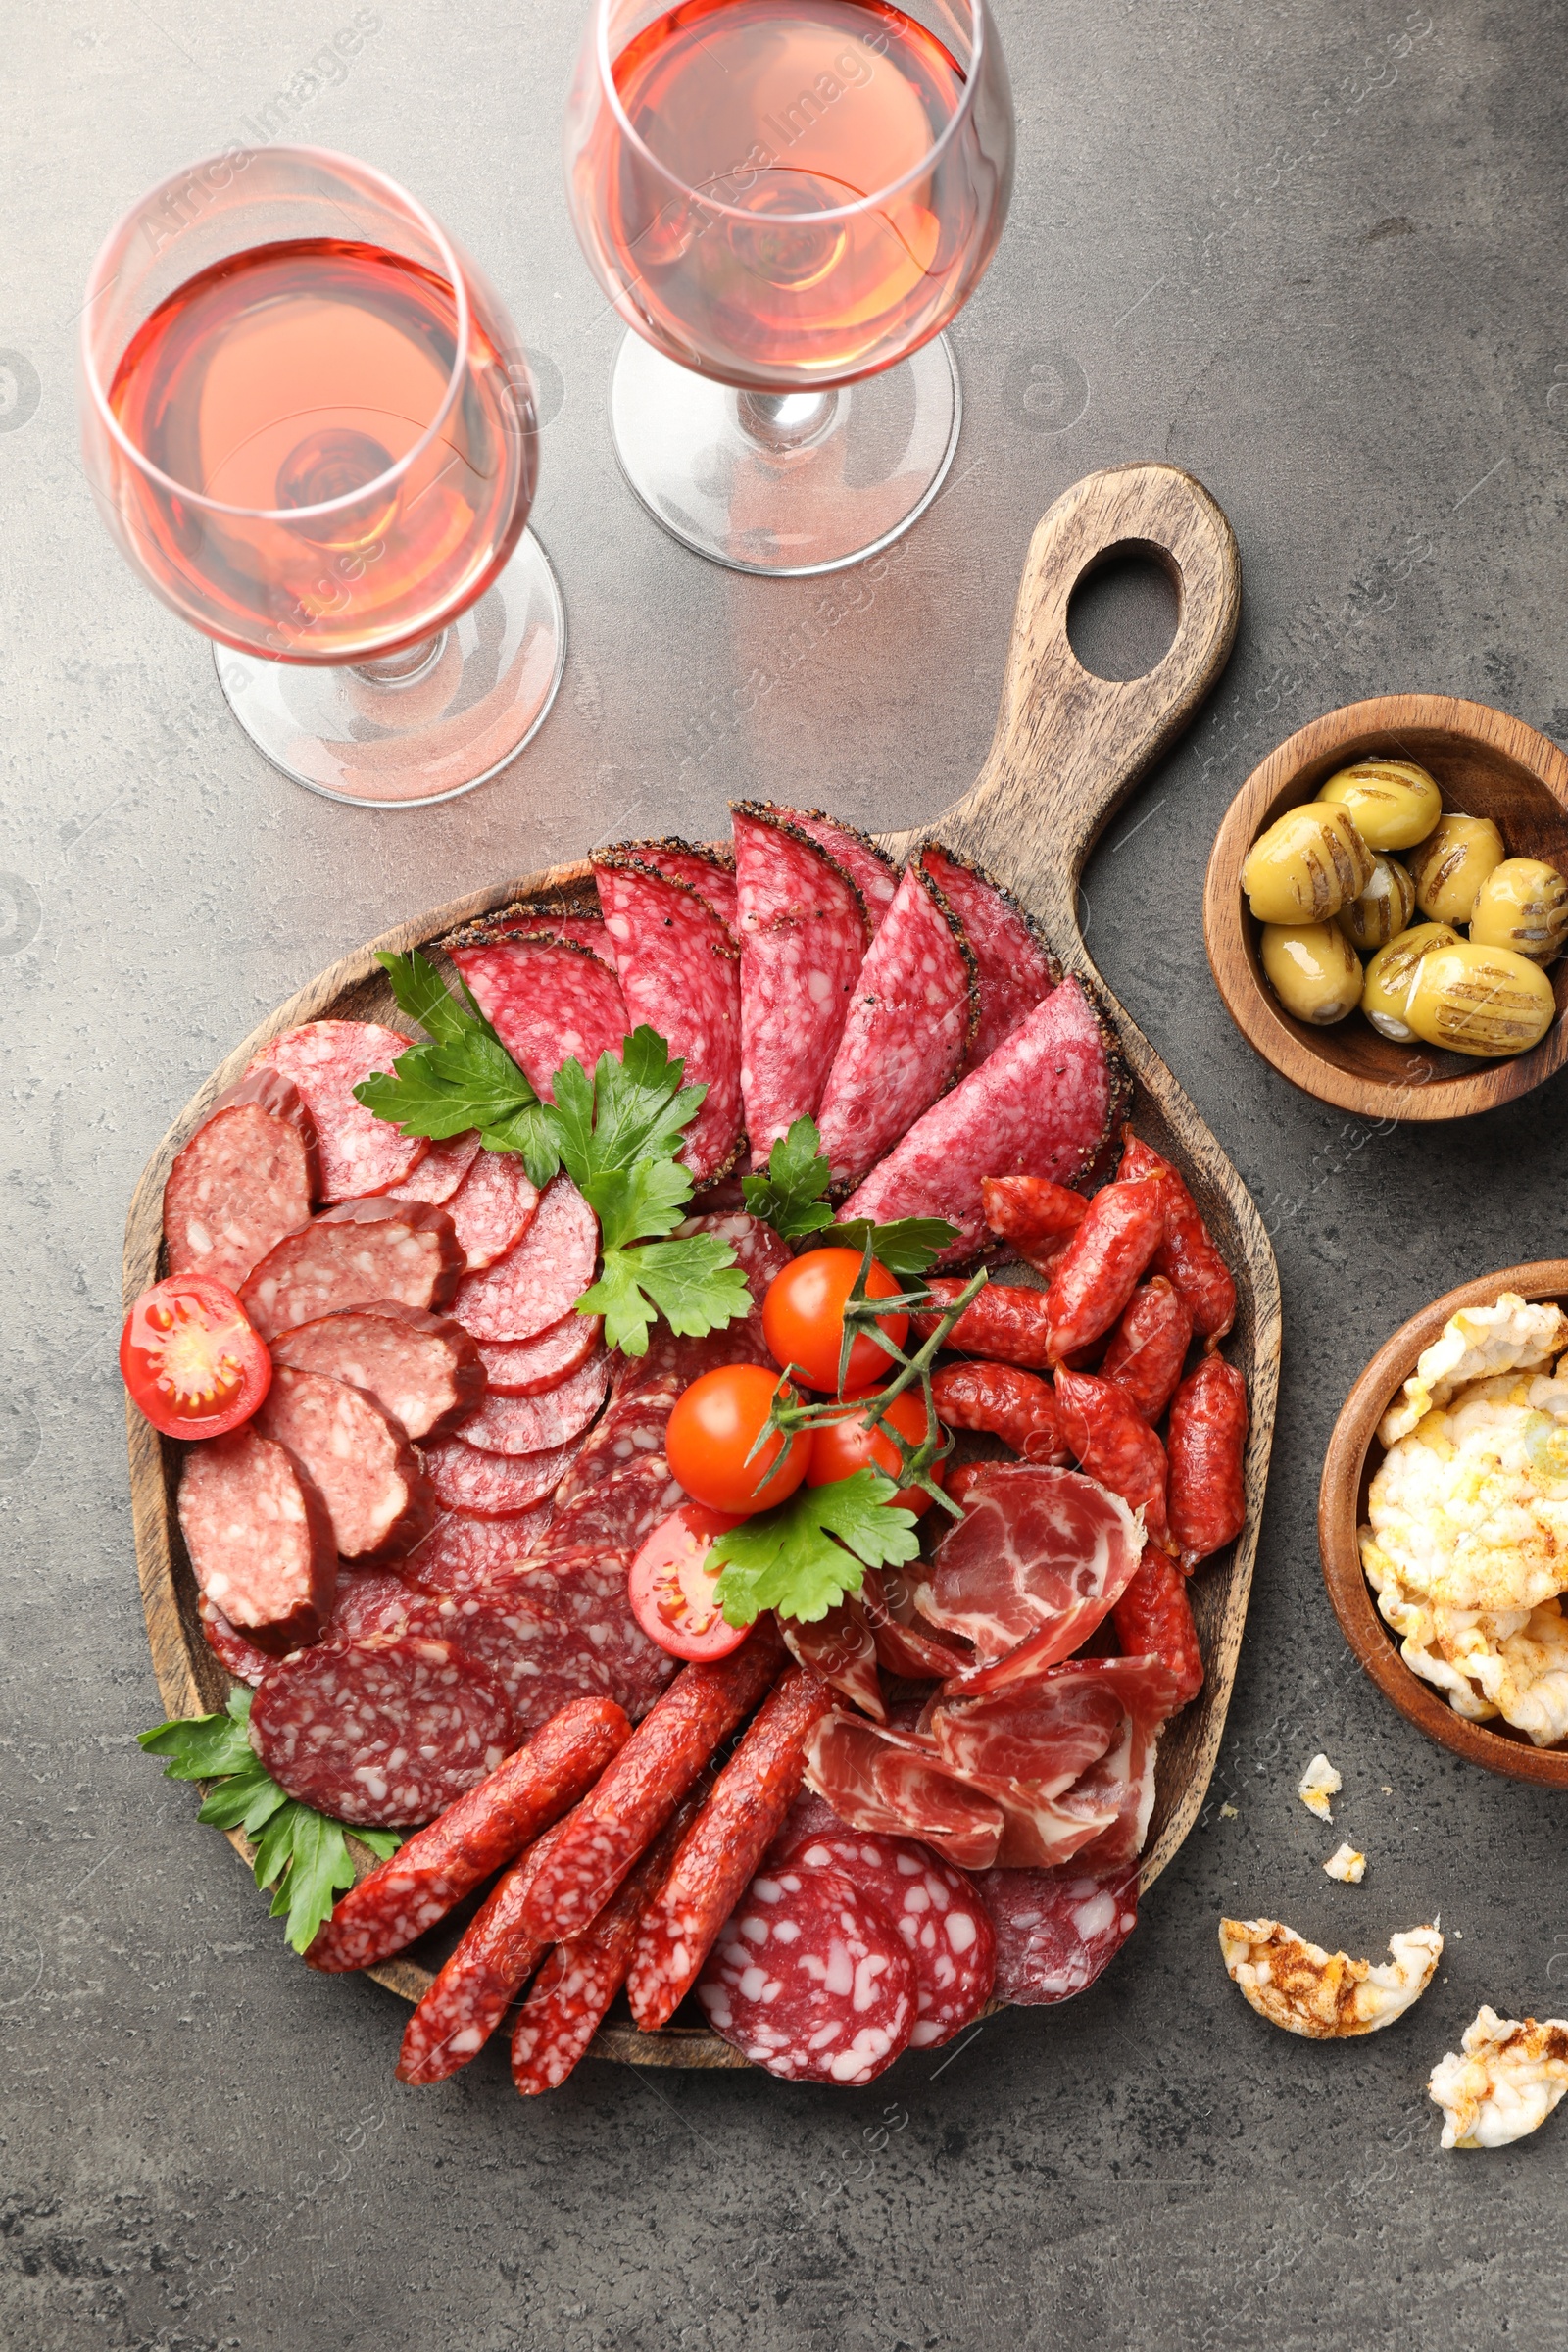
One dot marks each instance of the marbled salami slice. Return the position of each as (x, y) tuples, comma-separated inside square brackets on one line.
[(492, 1209), (588, 1590), (938, 1912), (871, 870), (385, 1731), (464, 1551), (680, 973), (909, 1027), (422, 1369), (1042, 1105), (632, 1431), (259, 1537), (361, 1154), (242, 1182), (238, 1655), (803, 933), (619, 1514), (526, 1368), (549, 1000), (1015, 969), (377, 1495), (1058, 1930), (709, 872), (539, 1281), (441, 1170), (369, 1601), (512, 1425), (539, 1658), (493, 1486), (576, 918), (356, 1254), (812, 1979)]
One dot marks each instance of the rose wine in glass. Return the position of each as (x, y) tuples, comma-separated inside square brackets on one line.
[(787, 200), (310, 429)]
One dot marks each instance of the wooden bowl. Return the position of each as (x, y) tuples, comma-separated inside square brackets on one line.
[(1486, 765), (1352, 1457)]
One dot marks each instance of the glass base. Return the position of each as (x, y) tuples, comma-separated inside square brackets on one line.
[(785, 483), (424, 724)]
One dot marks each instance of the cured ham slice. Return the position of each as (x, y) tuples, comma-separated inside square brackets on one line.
[(890, 1783), (1049, 1728), (841, 1649), (1040, 1556)]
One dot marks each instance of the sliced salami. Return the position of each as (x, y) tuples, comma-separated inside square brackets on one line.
[(441, 1170), (260, 1539), (803, 933), (376, 1494), (242, 1182), (462, 1551), (422, 1369), (468, 1997), (232, 1651), (354, 1254), (871, 870), (576, 918), (617, 1514), (539, 1281), (549, 1000), (540, 1661), (272, 1091), (1042, 1105), (514, 1425), (385, 1731), (938, 1912), (526, 1368), (492, 1209), (810, 1816), (493, 1485), (1058, 1930), (587, 1588), (327, 1060), (811, 1980), (909, 1026), (630, 1434), (369, 1601), (709, 872), (1014, 969), (680, 973)]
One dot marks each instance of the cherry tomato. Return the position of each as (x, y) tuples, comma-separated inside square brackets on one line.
[(842, 1446), (191, 1359), (712, 1429), (670, 1590), (803, 1320)]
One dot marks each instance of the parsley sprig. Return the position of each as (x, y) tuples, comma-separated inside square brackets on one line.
[(789, 1197), (463, 1078), (302, 1854)]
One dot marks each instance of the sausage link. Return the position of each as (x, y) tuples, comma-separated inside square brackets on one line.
[(1208, 1423), (1100, 1268), (1148, 1346), (1115, 1444), (1153, 1619), (722, 1849), (1008, 1324), (1017, 1407), (469, 1995), (440, 1863), (1038, 1216), (1187, 1254)]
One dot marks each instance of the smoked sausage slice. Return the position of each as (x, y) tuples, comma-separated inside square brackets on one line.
[(422, 1369), (260, 1539), (351, 1255), (379, 1500)]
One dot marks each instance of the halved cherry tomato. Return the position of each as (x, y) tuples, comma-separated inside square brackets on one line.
[(712, 1429), (803, 1319), (671, 1593), (191, 1359), (841, 1447)]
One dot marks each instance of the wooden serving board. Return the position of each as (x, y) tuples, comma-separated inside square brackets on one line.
[(1068, 749)]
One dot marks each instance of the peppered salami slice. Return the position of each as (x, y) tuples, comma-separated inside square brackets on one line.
[(803, 933), (937, 1910), (361, 1154), (549, 1000), (369, 1601), (229, 1646), (1043, 1103), (354, 1254), (575, 917), (386, 1731), (811, 1980), (587, 1589), (422, 1369), (1015, 969), (493, 1486), (378, 1497), (462, 1551), (909, 1026), (441, 1170), (539, 1658), (679, 973), (1058, 1930), (492, 1209), (709, 872), (512, 1425), (871, 870), (259, 1537), (241, 1183), (526, 1368), (539, 1281)]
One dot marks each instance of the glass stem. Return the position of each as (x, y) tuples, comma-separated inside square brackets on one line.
[(781, 422), (406, 667)]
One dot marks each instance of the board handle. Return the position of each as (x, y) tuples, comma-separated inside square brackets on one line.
[(1069, 747)]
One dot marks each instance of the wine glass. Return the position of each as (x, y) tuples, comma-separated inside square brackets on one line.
[(787, 201), (310, 427)]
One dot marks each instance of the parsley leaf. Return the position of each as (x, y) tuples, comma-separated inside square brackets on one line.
[(638, 1202), (463, 1078), (694, 1282), (789, 1198), (794, 1559), (304, 1854), (634, 1107), (911, 1245)]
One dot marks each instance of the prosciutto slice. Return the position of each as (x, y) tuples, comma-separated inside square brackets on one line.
[(1040, 1556), (1049, 1728), (890, 1782)]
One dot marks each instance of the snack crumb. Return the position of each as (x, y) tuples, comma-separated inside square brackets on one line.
[(1317, 1784), (1347, 1864)]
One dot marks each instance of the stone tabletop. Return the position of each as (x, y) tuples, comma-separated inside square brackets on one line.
[(1314, 253)]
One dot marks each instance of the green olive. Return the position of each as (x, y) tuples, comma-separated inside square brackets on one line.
[(1313, 971), (1384, 909), (1306, 865), (1391, 977), (1523, 905), (1479, 1000), (1452, 863), (1392, 802)]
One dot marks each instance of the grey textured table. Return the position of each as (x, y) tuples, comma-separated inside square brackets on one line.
[(1314, 253)]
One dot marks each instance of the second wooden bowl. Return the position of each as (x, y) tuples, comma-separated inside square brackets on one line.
[(1486, 765), (1352, 1459)]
